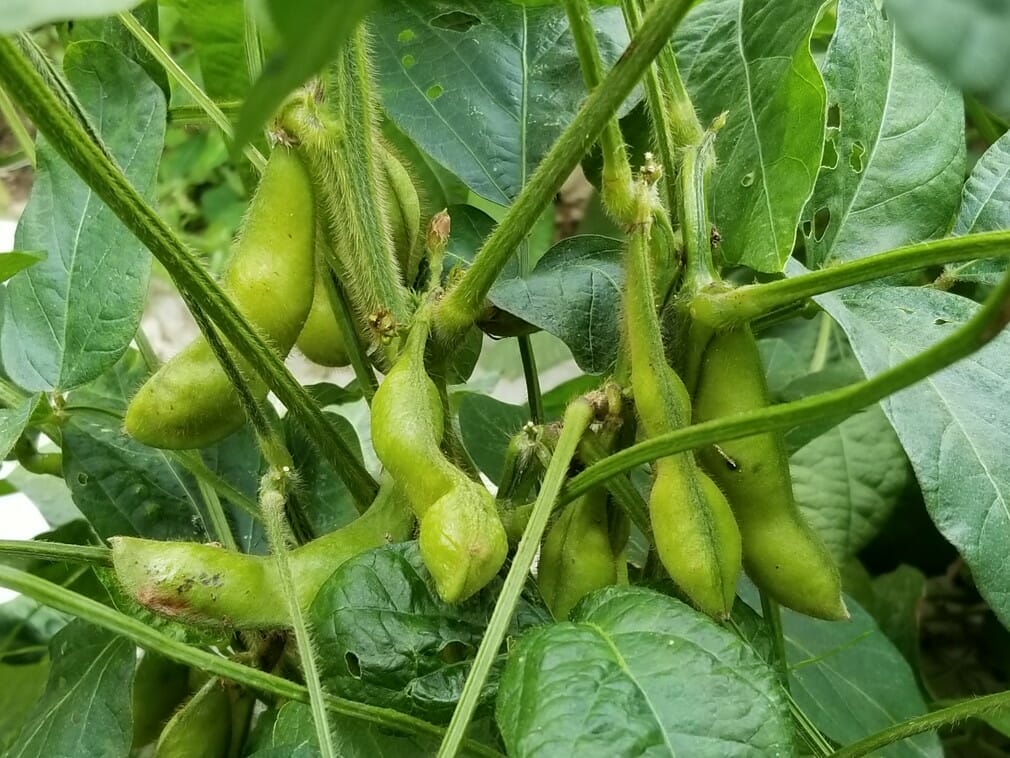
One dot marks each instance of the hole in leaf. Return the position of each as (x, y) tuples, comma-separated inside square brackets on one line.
[(407, 35), (834, 116), (455, 21), (454, 652), (353, 664), (830, 157), (856, 157), (82, 479), (822, 217), (747, 180), (408, 61), (434, 91), (807, 226), (941, 321)]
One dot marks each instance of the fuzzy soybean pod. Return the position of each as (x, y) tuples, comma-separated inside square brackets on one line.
[(461, 538), (578, 555), (201, 728), (781, 553), (694, 531), (190, 401), (322, 339), (404, 213), (209, 585)]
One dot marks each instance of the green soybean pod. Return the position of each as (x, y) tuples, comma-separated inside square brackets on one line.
[(781, 553), (201, 728), (190, 402), (577, 555)]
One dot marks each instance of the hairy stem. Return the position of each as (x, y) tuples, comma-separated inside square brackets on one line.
[(981, 328), (576, 420), (617, 179), (724, 310), (99, 171), (21, 135), (57, 551), (464, 302)]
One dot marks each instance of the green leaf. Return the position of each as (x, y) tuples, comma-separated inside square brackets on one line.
[(639, 673), (484, 88), (574, 293), (13, 422), (311, 32), (23, 15), (85, 709), (15, 261), (384, 636), (897, 597), (985, 207), (954, 426), (70, 317), (895, 153), (23, 685), (851, 681), (293, 734), (964, 40), (217, 31), (752, 58), (110, 29), (125, 488)]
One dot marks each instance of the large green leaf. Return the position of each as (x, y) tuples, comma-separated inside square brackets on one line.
[(70, 317), (574, 293), (484, 88), (638, 673), (751, 58), (217, 30), (384, 636), (964, 39), (894, 159), (125, 488), (985, 207), (311, 34), (22, 15), (23, 685), (954, 426), (85, 709), (851, 681)]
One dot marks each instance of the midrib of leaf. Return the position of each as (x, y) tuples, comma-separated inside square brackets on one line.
[(44, 718), (840, 676), (753, 123)]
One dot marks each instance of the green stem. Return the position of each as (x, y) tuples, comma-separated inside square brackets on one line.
[(57, 551), (276, 484), (534, 395), (823, 346), (147, 353), (692, 209), (772, 615), (218, 521), (10, 394), (193, 115), (577, 419), (989, 126), (344, 315), (464, 302), (148, 638), (17, 127), (617, 177), (724, 310), (973, 708), (976, 332), (93, 164), (202, 99)]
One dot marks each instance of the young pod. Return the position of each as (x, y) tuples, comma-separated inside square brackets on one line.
[(578, 555), (201, 728), (781, 553), (322, 339), (190, 402), (404, 214)]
